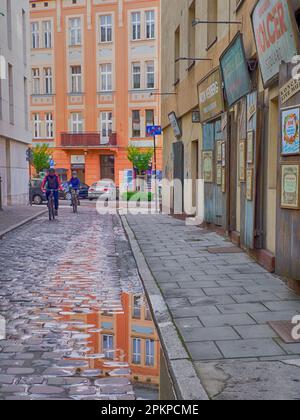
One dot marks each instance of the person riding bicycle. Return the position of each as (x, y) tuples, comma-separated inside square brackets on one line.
[(74, 184), (50, 183)]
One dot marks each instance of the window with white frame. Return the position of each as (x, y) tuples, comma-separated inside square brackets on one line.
[(136, 25), (108, 346), (106, 126), (150, 75), (136, 76), (35, 35), (150, 24), (149, 118), (36, 82), (76, 79), (37, 126), (137, 307), (106, 28), (75, 31), (136, 351), (76, 122), (49, 125), (48, 81), (150, 353), (106, 77), (47, 34), (136, 123)]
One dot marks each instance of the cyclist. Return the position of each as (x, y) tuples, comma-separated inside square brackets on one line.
[(74, 184), (52, 182)]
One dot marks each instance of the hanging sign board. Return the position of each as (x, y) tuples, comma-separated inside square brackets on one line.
[(235, 73), (210, 96), (275, 35), (175, 124), (289, 90)]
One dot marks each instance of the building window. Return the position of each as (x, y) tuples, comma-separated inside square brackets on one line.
[(136, 76), (106, 28), (137, 307), (136, 124), (9, 24), (177, 55), (150, 352), (24, 36), (192, 32), (76, 79), (150, 74), (11, 94), (150, 24), (47, 34), (148, 315), (108, 346), (48, 81), (26, 103), (106, 127), (136, 26), (37, 126), (212, 29), (75, 31), (49, 125), (149, 118), (106, 77), (136, 351), (35, 35), (36, 86), (77, 122)]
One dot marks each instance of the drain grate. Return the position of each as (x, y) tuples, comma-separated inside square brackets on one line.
[(226, 250), (284, 330)]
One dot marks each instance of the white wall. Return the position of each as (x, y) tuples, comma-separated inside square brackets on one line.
[(14, 138)]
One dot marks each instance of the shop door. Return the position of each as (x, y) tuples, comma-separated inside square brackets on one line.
[(107, 167), (251, 173), (215, 192), (288, 190), (178, 176)]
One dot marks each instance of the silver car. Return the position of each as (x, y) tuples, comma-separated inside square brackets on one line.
[(105, 189)]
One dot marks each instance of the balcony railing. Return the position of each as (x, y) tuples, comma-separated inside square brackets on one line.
[(88, 140)]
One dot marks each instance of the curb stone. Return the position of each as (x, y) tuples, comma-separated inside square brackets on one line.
[(20, 224), (186, 382)]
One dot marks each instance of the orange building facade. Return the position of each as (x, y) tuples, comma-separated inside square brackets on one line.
[(95, 81)]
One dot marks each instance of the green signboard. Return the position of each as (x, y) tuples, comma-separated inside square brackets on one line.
[(234, 66)]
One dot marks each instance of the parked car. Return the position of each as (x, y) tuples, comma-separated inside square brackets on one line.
[(36, 195), (104, 189), (66, 195)]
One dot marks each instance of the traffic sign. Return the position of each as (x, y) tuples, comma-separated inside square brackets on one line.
[(153, 130)]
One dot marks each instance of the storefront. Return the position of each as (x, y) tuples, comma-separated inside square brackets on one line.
[(277, 41), (214, 150)]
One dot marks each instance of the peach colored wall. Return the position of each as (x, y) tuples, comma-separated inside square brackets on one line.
[(122, 101)]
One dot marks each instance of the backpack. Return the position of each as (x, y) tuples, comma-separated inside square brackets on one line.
[(52, 182)]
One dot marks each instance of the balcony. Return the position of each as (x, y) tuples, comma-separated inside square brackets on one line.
[(87, 140)]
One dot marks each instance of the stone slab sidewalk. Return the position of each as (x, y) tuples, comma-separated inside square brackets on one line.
[(13, 217), (221, 305)]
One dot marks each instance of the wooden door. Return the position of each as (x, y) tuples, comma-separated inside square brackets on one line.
[(107, 167), (288, 219)]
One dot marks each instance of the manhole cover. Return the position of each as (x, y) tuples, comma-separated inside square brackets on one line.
[(226, 250), (284, 329)]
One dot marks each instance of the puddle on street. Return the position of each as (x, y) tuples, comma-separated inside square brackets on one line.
[(117, 350), (97, 322)]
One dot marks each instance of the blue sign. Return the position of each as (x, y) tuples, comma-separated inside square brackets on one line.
[(51, 163), (154, 130)]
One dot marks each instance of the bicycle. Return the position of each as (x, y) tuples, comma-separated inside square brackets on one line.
[(51, 205), (74, 200)]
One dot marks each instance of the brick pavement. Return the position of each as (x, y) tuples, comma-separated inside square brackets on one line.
[(222, 305), (55, 281)]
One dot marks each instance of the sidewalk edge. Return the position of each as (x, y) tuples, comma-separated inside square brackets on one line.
[(186, 382), (20, 224)]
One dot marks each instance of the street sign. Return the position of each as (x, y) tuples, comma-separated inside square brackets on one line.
[(153, 130)]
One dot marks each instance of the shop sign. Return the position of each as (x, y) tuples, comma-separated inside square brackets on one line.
[(235, 73), (290, 187), (208, 166), (210, 96), (275, 36), (175, 124), (290, 120), (77, 159), (289, 90)]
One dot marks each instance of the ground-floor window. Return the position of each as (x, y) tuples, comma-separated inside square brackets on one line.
[(136, 356), (150, 352)]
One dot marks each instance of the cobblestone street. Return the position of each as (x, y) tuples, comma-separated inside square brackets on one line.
[(57, 279)]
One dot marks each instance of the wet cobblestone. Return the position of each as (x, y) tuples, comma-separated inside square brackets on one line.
[(52, 277)]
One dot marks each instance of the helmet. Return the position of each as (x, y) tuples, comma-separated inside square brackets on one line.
[(51, 171)]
